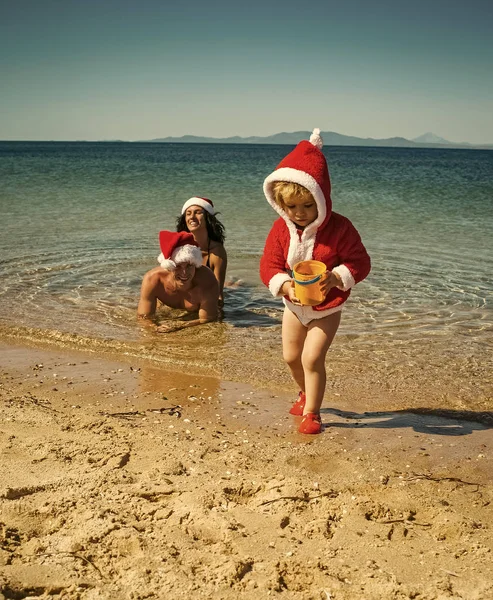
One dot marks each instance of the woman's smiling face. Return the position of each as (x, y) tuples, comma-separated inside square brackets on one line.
[(195, 218)]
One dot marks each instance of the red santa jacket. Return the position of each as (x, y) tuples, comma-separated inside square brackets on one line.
[(336, 243)]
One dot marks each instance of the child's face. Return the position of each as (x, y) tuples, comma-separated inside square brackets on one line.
[(301, 211)]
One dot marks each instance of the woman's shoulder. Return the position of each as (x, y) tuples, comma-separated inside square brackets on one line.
[(216, 248)]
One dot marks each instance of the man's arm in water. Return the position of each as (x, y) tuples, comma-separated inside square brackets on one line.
[(148, 299)]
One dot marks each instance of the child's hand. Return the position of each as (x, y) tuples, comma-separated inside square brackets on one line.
[(329, 281), (287, 289)]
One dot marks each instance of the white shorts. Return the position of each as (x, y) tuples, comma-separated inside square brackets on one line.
[(306, 314)]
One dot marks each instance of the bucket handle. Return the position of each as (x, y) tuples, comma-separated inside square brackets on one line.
[(310, 281)]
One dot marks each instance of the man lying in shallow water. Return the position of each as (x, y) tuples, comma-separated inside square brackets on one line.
[(180, 282)]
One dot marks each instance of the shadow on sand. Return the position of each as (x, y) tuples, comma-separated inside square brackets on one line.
[(422, 420)]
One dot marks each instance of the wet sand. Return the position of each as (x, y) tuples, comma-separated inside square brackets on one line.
[(120, 479)]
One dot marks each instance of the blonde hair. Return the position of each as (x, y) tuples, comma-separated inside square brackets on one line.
[(284, 190)]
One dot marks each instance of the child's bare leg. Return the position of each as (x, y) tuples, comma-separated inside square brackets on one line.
[(320, 334), (293, 338)]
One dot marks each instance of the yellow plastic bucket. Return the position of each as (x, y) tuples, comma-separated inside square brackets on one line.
[(307, 276)]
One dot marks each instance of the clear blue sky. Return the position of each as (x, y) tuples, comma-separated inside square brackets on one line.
[(142, 69)]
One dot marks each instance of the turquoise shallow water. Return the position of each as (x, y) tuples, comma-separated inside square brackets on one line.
[(80, 224)]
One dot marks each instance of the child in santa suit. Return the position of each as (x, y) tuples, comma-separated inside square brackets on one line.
[(299, 191)]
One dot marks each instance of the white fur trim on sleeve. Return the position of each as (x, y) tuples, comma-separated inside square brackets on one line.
[(346, 277), (167, 264), (189, 254), (276, 283)]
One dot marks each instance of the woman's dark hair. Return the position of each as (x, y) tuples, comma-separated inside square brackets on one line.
[(215, 229)]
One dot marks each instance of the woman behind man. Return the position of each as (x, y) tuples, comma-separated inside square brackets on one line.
[(198, 217)]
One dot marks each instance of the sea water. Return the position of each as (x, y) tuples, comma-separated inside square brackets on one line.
[(80, 223)]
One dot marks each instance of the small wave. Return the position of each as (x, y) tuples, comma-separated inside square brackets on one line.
[(148, 349)]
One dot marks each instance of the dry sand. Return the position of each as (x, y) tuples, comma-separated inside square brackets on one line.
[(119, 480)]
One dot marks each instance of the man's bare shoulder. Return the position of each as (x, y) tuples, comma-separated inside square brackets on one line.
[(155, 276), (205, 283), (155, 271), (204, 276)]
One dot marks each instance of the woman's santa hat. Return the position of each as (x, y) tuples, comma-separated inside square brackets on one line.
[(204, 203), (305, 165), (178, 247)]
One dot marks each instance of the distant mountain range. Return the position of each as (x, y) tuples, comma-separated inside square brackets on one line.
[(331, 138)]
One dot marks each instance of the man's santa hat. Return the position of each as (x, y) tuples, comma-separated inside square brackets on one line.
[(204, 203), (178, 247), (305, 165)]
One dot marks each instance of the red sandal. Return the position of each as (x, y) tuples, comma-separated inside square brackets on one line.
[(299, 406), (311, 423)]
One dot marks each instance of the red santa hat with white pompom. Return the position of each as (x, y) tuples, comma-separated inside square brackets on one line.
[(178, 247), (307, 166)]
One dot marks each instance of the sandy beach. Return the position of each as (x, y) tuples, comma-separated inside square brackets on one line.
[(142, 459), (123, 480)]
